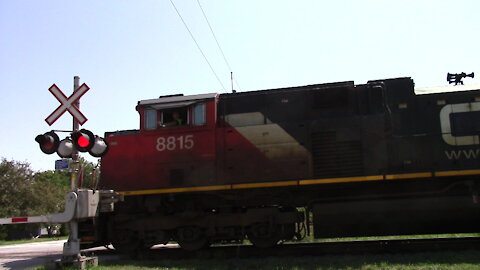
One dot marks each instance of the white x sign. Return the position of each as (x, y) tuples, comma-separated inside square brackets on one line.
[(67, 104)]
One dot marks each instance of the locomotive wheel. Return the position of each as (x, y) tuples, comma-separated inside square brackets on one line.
[(191, 238), (128, 242), (264, 235)]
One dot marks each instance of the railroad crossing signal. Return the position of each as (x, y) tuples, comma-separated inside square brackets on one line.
[(68, 148), (83, 141), (80, 140), (67, 104)]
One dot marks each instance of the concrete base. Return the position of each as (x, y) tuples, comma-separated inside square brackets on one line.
[(82, 262)]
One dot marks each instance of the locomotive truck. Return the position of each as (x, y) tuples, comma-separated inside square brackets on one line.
[(340, 159)]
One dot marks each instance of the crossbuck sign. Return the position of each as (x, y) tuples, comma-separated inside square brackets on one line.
[(67, 104)]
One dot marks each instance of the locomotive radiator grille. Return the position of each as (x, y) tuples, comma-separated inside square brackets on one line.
[(332, 158)]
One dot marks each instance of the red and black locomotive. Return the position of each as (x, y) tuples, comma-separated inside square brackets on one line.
[(268, 166)]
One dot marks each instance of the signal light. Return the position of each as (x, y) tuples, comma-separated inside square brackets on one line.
[(48, 142), (83, 140), (100, 147), (65, 148)]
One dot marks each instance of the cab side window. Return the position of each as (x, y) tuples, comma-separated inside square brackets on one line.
[(199, 114), (150, 119), (194, 115), (174, 117)]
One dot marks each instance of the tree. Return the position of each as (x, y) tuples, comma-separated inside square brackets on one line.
[(25, 193), (16, 179), (15, 189), (56, 184), (89, 175)]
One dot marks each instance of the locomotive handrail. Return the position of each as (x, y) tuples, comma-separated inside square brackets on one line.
[(64, 217)]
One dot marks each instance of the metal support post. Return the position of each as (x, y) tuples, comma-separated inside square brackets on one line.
[(75, 154), (71, 249)]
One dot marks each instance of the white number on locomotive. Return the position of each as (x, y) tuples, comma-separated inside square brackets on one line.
[(172, 143)]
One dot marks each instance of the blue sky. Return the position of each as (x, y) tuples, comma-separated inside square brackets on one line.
[(132, 50)]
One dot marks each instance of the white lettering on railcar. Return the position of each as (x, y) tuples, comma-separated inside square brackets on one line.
[(445, 124), (172, 143), (462, 154)]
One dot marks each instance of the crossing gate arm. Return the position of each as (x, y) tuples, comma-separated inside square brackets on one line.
[(64, 217)]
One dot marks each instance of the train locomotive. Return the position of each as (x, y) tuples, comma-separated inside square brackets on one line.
[(335, 160)]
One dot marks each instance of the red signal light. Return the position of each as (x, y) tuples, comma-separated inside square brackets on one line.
[(48, 142), (83, 140)]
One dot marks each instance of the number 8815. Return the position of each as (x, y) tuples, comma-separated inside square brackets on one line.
[(172, 143)]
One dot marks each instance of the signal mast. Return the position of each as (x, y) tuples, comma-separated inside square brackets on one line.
[(80, 204)]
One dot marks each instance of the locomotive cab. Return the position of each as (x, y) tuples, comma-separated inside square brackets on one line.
[(174, 146), (177, 111)]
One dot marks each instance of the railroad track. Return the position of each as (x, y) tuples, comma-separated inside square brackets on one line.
[(315, 249)]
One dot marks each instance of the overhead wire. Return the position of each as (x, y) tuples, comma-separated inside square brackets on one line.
[(198, 46), (218, 44)]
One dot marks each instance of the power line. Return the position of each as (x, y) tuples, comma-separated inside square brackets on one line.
[(198, 46), (218, 44), (215, 37)]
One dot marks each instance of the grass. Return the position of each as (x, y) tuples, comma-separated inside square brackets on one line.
[(449, 260), (393, 237), (311, 239), (33, 240), (465, 260)]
